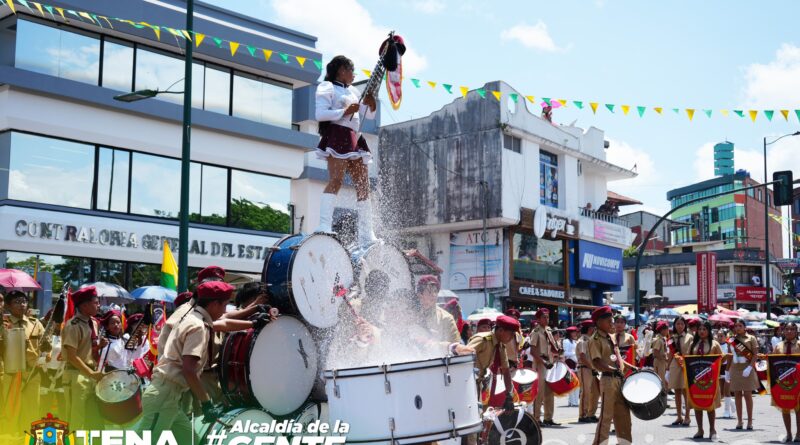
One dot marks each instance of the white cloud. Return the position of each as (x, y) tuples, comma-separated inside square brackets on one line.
[(429, 6), (649, 186), (345, 27), (775, 84), (780, 156), (532, 36)]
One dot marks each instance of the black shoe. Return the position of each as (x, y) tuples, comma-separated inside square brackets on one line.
[(593, 419), (550, 423), (583, 420)]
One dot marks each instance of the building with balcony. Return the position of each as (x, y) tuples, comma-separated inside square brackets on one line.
[(497, 197)]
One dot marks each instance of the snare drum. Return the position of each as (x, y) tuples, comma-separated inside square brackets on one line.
[(274, 368), (526, 382), (515, 426), (644, 393), (561, 379), (228, 421), (386, 258), (761, 369), (119, 396), (302, 272)]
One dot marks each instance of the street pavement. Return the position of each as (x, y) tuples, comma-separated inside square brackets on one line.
[(767, 427)]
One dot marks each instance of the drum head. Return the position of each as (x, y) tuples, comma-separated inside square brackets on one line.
[(310, 413), (387, 258), (524, 376), (320, 264), (642, 387), (228, 420), (117, 386), (283, 365), (557, 372), (516, 429)]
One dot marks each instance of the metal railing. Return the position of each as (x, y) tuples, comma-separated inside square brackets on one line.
[(602, 216)]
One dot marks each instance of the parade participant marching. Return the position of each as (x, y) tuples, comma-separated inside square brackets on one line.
[(790, 345), (116, 355), (725, 382), (742, 371), (22, 389), (513, 347), (490, 353), (590, 386), (692, 325), (625, 341), (437, 321), (660, 350), (607, 359), (80, 345), (704, 344), (484, 325), (181, 365), (571, 359), (339, 113), (544, 351), (679, 343)]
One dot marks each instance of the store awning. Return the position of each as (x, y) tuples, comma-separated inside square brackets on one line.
[(621, 199)]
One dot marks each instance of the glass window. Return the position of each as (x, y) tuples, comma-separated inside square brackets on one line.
[(50, 171), (112, 180), (681, 276), (218, 90), (155, 186), (723, 275), (156, 71), (512, 143), (110, 272), (750, 275), (143, 275), (538, 260), (208, 194), (57, 52), (259, 202), (548, 179), (117, 66), (664, 276), (262, 101)]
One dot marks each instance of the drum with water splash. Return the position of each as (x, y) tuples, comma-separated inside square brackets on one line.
[(386, 258), (304, 272)]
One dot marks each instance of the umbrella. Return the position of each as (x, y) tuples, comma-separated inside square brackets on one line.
[(484, 312), (772, 323), (686, 309), (728, 312), (720, 318), (13, 279), (754, 316), (666, 313), (110, 293), (642, 318), (158, 293), (617, 307)]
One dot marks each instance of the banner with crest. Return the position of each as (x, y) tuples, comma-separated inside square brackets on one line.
[(783, 375), (702, 380)]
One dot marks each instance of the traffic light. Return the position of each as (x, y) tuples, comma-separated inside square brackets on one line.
[(783, 187)]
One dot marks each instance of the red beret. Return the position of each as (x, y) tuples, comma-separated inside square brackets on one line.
[(83, 295), (214, 290), (693, 322), (542, 311), (506, 322), (133, 319), (601, 312), (428, 279), (661, 325), (572, 329), (587, 323), (182, 297), (513, 312), (212, 273), (452, 303), (107, 317), (483, 321)]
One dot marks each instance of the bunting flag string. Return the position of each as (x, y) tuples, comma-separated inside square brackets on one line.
[(41, 9)]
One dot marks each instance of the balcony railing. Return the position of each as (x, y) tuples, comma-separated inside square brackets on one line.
[(602, 216)]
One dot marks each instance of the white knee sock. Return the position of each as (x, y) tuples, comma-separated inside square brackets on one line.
[(365, 234), (326, 205)]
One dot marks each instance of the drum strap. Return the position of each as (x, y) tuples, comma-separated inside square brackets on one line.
[(617, 354), (501, 430)]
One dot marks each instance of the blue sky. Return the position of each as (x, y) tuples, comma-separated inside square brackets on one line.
[(686, 54)]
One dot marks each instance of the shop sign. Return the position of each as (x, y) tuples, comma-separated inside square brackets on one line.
[(612, 233), (706, 282), (533, 291), (599, 263), (546, 224), (467, 259), (788, 263), (751, 294)]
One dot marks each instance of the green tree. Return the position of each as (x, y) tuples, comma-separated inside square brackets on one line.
[(630, 252), (248, 215)]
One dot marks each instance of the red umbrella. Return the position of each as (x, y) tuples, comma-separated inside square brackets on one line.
[(720, 318), (13, 279), (729, 313)]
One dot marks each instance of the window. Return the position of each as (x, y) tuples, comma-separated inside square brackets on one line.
[(155, 71), (548, 179), (512, 143), (730, 211), (681, 275), (208, 194), (117, 66), (538, 260), (218, 90), (52, 51), (723, 275), (142, 274), (261, 101), (664, 276), (259, 202), (155, 186), (112, 179), (759, 195), (50, 171), (110, 272), (745, 274)]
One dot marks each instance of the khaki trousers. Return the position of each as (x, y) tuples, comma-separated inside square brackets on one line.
[(613, 407), (28, 397), (82, 410), (660, 367), (590, 393), (543, 397), (161, 411)]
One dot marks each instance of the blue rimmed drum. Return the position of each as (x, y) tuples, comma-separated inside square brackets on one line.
[(304, 272), (387, 258)]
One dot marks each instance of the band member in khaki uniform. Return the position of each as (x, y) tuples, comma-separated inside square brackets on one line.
[(678, 345), (703, 343), (590, 386), (659, 348), (744, 379), (437, 321), (490, 351), (26, 388), (180, 367), (79, 341), (607, 359), (513, 347), (789, 345), (543, 350)]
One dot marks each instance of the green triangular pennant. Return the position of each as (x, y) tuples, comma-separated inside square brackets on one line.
[(94, 16), (251, 50), (49, 9), (641, 109), (318, 64), (449, 88), (415, 82), (514, 97), (285, 57), (578, 104), (482, 92), (73, 13), (547, 101), (769, 114), (218, 42), (797, 112), (708, 113), (676, 110), (739, 112), (610, 107), (25, 4)]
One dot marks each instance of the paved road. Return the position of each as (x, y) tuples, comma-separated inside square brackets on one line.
[(767, 423)]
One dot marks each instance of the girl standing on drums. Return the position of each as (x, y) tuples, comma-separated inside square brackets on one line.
[(788, 346), (742, 372), (680, 342), (339, 114), (704, 344)]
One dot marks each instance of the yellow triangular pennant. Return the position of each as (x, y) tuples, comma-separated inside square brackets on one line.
[(367, 73), (198, 38), (724, 112), (234, 47), (186, 34), (690, 113), (497, 94), (658, 109), (753, 114), (625, 109), (60, 11), (785, 114), (301, 61), (157, 31), (563, 102), (531, 99), (267, 54), (14, 9), (594, 106), (39, 8), (464, 91), (432, 84)]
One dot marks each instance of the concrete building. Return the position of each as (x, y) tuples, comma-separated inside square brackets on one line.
[(641, 222), (481, 162)]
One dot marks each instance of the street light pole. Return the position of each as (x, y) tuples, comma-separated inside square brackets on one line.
[(186, 150)]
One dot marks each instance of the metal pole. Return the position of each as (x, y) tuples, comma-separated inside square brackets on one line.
[(183, 233), (767, 274)]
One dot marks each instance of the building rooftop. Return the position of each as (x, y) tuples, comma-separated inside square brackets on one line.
[(703, 185)]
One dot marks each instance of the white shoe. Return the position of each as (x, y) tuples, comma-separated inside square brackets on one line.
[(365, 234), (326, 205)]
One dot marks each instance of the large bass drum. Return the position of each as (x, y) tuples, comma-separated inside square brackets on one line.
[(644, 393), (303, 273), (274, 368), (386, 258), (227, 422), (405, 403), (515, 427), (119, 395)]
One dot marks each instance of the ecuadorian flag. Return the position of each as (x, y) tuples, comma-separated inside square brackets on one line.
[(169, 269)]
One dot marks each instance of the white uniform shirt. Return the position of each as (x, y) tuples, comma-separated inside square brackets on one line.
[(121, 358), (569, 350), (332, 100)]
